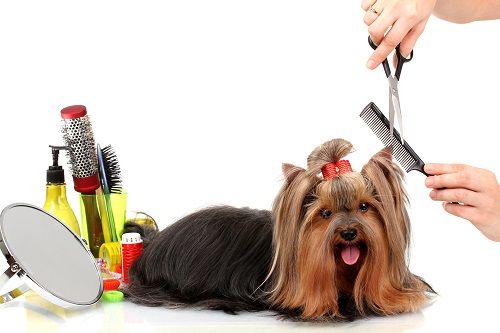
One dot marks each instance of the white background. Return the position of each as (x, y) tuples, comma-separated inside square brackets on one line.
[(203, 101)]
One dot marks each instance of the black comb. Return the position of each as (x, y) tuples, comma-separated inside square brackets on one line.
[(403, 153)]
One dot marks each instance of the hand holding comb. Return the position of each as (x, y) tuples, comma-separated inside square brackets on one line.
[(402, 152)]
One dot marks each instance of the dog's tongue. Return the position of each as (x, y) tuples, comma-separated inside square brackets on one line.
[(350, 254)]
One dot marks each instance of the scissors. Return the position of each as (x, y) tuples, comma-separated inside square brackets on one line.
[(394, 105)]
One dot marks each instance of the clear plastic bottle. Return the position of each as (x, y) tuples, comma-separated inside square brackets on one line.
[(56, 201)]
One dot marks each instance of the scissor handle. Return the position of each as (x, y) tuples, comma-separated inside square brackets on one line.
[(401, 61)]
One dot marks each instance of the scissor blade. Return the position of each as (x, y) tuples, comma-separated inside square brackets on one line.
[(397, 107), (391, 115), (394, 106)]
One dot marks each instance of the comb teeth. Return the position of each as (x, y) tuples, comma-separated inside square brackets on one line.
[(403, 153)]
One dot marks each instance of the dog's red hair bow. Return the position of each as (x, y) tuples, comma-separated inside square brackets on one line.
[(332, 169)]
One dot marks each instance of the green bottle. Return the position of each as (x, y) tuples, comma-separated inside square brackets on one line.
[(56, 201)]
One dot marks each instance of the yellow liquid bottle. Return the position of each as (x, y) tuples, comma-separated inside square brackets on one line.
[(57, 204), (56, 201)]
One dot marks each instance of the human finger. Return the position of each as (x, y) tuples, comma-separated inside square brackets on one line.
[(458, 195), (370, 17), (466, 212), (441, 168), (366, 4), (381, 25), (470, 179), (409, 41), (389, 42)]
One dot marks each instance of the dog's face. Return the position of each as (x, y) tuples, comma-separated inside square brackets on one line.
[(344, 221), (343, 237)]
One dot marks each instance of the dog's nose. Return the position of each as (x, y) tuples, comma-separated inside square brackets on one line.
[(348, 234)]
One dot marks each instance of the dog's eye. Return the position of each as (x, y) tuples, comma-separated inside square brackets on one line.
[(363, 207), (325, 213)]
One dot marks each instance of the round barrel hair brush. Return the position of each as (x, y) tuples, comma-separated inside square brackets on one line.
[(78, 136)]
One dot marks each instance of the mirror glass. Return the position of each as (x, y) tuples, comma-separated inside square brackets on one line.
[(51, 256)]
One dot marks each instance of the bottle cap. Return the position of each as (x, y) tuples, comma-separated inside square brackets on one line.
[(55, 172), (55, 175), (131, 238)]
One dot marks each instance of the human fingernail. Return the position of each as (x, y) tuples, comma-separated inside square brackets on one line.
[(429, 167), (429, 181), (370, 64)]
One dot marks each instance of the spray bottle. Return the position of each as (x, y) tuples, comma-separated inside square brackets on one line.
[(56, 201)]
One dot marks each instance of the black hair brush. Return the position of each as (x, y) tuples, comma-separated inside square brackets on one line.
[(111, 182), (402, 152), (109, 170)]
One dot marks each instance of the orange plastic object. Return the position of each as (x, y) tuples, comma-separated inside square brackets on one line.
[(111, 284)]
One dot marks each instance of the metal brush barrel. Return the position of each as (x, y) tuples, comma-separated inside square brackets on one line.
[(78, 136)]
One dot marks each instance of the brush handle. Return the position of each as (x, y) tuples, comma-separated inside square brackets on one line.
[(103, 213), (111, 220), (93, 223)]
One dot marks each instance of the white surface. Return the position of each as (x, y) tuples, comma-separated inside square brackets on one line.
[(33, 314), (203, 101)]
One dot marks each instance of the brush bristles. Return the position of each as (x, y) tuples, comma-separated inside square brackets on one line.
[(112, 168), (379, 124)]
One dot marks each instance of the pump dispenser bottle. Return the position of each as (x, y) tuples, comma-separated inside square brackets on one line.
[(56, 201)]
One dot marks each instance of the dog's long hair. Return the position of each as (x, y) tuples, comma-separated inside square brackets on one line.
[(332, 248)]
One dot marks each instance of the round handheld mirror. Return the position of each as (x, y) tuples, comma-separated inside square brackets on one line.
[(48, 257)]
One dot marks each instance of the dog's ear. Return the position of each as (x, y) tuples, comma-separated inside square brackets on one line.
[(387, 181), (384, 173), (290, 172)]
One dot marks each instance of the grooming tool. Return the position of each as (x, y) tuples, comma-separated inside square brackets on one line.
[(401, 151), (111, 280), (111, 182), (56, 201), (111, 284), (78, 136), (109, 170), (112, 296), (394, 104), (131, 250), (110, 252), (47, 257)]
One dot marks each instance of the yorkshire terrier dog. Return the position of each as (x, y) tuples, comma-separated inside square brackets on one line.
[(334, 247)]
